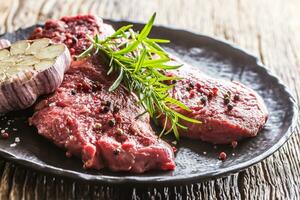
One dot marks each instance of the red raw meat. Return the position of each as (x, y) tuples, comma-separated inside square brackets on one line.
[(228, 110), (99, 126)]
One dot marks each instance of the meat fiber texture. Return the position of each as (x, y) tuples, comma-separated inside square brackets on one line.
[(73, 31), (99, 126), (228, 110)]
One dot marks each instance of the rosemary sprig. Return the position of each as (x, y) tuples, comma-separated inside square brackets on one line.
[(141, 64)]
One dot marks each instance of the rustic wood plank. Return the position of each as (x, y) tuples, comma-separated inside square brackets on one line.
[(6, 180), (270, 29)]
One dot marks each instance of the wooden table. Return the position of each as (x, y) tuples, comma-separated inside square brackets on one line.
[(269, 28)]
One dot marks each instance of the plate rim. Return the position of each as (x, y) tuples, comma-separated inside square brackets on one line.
[(178, 179)]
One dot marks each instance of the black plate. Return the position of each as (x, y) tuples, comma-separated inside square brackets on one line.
[(195, 160)]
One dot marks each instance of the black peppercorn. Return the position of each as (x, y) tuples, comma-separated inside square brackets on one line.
[(173, 82), (210, 95), (111, 122), (236, 97), (116, 109), (73, 92), (105, 109), (203, 99), (116, 152), (230, 106), (108, 103), (226, 100), (191, 85)]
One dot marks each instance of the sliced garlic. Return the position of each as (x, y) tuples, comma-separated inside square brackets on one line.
[(4, 53), (14, 58), (28, 60), (32, 68), (24, 55), (37, 45), (2, 76), (3, 69), (19, 47), (43, 64), (5, 64), (50, 51), (11, 70)]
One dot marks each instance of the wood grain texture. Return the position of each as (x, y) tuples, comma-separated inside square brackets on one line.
[(270, 29)]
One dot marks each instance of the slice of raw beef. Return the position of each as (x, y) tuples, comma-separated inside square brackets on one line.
[(99, 126), (228, 110)]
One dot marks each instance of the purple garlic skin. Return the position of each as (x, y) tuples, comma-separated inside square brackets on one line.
[(29, 69)]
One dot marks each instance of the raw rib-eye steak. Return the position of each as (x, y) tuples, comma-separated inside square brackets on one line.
[(99, 126)]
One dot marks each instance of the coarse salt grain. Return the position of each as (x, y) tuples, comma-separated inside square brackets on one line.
[(13, 145), (2, 131), (17, 139)]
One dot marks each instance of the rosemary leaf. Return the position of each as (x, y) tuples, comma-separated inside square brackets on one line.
[(117, 81), (141, 63)]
